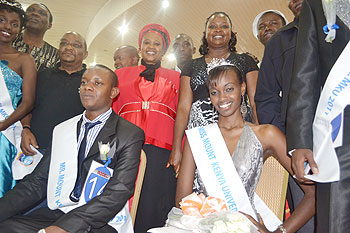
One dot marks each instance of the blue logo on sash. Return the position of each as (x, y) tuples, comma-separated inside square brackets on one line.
[(26, 160), (336, 123), (96, 182)]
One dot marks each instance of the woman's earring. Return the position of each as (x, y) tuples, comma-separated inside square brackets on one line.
[(244, 106)]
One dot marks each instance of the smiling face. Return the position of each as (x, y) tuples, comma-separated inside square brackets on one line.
[(72, 49), (218, 31), (37, 18), (295, 7), (9, 26), (152, 48), (97, 90), (268, 24), (225, 93)]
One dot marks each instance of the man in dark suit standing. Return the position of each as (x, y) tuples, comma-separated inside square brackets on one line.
[(98, 126), (313, 61), (272, 89)]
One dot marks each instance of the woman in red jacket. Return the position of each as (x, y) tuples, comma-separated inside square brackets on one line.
[(148, 98)]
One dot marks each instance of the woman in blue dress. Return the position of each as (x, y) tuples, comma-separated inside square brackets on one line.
[(19, 75)]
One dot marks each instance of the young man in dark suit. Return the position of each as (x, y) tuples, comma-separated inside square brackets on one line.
[(97, 125)]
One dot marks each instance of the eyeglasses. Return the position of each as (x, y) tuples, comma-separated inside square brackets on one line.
[(74, 44)]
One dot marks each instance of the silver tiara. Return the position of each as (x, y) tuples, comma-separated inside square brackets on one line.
[(216, 62)]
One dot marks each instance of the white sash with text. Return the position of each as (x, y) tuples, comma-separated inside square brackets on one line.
[(328, 122), (220, 176)]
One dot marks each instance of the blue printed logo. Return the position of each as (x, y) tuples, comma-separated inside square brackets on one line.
[(336, 124), (96, 182), (26, 160)]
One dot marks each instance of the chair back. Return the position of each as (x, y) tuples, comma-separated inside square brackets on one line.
[(138, 186), (272, 186)]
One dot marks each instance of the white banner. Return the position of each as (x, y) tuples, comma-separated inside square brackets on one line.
[(22, 164), (220, 176), (328, 122)]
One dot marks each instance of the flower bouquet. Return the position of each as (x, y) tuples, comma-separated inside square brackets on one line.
[(208, 215)]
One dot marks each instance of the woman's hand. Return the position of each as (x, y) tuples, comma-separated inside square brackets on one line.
[(175, 161), (2, 126), (260, 225), (28, 139)]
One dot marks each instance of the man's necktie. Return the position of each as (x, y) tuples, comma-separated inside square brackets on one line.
[(75, 194)]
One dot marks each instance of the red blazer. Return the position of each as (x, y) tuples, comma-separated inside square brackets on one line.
[(149, 105)]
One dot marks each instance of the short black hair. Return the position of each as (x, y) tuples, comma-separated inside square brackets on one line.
[(112, 75)]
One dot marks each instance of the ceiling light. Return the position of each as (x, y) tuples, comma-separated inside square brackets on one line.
[(171, 57), (123, 29), (165, 4)]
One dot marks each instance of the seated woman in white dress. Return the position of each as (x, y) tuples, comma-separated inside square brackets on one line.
[(248, 145)]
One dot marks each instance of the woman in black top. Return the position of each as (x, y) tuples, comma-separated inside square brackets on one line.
[(194, 106)]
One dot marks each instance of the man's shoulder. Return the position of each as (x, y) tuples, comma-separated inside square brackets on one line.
[(282, 40), (125, 127)]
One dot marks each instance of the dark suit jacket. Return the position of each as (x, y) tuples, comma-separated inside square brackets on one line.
[(314, 58), (128, 140), (274, 76)]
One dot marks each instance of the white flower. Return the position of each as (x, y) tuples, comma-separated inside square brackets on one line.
[(231, 223), (104, 149)]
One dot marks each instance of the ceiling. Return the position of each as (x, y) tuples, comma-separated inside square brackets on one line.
[(98, 21)]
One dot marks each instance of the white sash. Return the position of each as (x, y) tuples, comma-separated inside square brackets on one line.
[(63, 174), (22, 164), (220, 176), (328, 122)]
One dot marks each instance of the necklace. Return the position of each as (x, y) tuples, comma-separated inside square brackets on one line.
[(226, 55)]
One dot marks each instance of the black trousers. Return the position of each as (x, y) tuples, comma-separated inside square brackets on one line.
[(158, 190), (38, 219)]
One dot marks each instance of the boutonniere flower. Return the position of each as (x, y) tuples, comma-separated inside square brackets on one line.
[(104, 149)]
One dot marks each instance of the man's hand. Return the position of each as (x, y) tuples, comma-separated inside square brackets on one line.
[(300, 156), (28, 139), (175, 161), (54, 229)]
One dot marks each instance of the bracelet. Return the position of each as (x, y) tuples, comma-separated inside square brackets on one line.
[(282, 229), (27, 127)]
